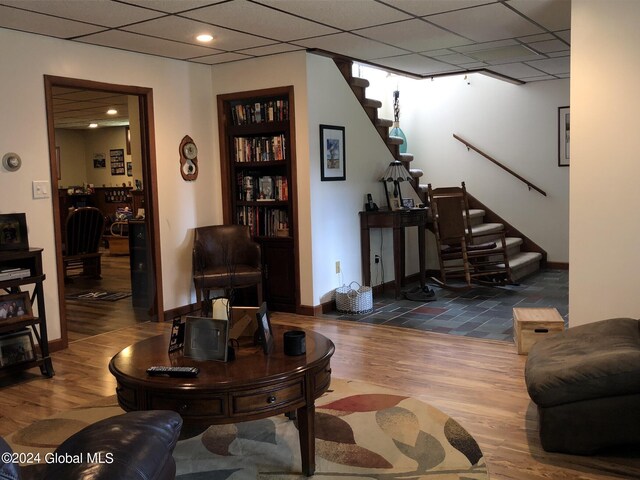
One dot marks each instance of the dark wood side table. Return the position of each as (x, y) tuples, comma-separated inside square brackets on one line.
[(251, 387), (398, 220)]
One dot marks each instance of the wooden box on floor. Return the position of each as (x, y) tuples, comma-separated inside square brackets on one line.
[(532, 324)]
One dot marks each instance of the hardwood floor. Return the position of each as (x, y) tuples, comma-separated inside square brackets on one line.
[(89, 318), (478, 382)]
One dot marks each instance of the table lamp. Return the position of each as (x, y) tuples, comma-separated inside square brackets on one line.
[(395, 173)]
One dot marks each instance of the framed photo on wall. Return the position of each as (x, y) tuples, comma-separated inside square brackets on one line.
[(563, 136), (332, 153)]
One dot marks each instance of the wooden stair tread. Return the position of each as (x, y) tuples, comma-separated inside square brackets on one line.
[(524, 258), (406, 157), (416, 172), (486, 228), (395, 140), (359, 82), (383, 122), (371, 103)]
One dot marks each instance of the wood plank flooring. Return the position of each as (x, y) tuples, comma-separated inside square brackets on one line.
[(478, 382)]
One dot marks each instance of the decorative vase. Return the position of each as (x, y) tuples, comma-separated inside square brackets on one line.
[(396, 131)]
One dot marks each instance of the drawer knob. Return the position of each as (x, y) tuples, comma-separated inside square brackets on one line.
[(271, 399)]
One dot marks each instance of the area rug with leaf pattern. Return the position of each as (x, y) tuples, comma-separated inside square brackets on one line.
[(362, 432)]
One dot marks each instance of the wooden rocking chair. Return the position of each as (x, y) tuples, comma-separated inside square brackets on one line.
[(460, 253)]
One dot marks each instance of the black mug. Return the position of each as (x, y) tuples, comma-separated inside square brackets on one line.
[(294, 343)]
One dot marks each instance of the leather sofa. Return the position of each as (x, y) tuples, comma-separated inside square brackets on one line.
[(132, 446), (586, 385)]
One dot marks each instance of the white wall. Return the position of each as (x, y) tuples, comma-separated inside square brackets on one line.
[(102, 141), (515, 124), (183, 105), (335, 204), (603, 280)]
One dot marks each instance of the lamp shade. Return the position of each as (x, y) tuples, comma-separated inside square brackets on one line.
[(396, 172)]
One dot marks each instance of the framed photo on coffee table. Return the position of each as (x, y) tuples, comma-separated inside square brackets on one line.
[(265, 334)]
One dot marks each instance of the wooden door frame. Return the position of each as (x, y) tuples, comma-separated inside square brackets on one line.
[(149, 179)]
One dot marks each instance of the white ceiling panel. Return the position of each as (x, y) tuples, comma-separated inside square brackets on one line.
[(549, 46), (415, 63), (271, 49), (149, 45), (172, 6), (454, 58), (486, 23), (516, 70), (259, 20), (98, 12), (221, 58), (552, 66), (352, 46), (413, 35), (185, 30), (43, 24), (430, 7), (347, 15), (551, 14)]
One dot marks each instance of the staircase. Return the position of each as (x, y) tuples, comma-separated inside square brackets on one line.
[(525, 256)]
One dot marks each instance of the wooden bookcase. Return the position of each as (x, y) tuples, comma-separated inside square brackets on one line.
[(258, 164), (37, 325)]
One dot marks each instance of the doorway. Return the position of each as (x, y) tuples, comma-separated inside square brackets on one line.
[(106, 186)]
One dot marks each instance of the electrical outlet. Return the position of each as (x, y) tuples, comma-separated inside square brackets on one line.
[(338, 266)]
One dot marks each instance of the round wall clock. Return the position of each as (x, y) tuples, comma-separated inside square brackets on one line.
[(188, 159)]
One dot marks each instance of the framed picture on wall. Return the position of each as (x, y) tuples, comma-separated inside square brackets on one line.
[(99, 161), (332, 153), (563, 137), (117, 161), (129, 169)]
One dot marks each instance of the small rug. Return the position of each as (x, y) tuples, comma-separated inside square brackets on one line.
[(362, 431), (91, 295)]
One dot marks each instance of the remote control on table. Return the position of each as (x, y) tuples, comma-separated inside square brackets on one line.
[(161, 371)]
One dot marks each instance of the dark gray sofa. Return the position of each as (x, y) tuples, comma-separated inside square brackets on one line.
[(586, 385)]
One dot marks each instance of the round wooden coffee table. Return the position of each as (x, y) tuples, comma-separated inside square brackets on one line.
[(250, 387)]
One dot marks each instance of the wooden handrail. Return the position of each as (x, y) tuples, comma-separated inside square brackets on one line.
[(524, 180)]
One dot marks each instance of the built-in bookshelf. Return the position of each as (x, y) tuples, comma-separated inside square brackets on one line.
[(257, 146)]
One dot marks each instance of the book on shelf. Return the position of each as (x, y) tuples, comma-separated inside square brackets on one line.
[(254, 187), (263, 221), (260, 112), (259, 149)]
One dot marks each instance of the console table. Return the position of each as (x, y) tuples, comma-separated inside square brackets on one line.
[(251, 387), (398, 220)]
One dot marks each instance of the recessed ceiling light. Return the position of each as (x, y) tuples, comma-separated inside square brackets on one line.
[(93, 125), (204, 37), (112, 111)]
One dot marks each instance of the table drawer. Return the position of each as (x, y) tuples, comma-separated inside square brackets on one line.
[(127, 397), (253, 401), (213, 405), (321, 379)]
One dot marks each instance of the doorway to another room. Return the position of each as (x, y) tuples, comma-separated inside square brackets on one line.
[(102, 157)]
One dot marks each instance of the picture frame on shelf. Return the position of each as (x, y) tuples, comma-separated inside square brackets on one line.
[(563, 136), (206, 338), (16, 348), (15, 306), (332, 153), (408, 203), (265, 334), (13, 232)]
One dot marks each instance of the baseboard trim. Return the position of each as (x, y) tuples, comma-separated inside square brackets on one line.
[(180, 311), (558, 265)]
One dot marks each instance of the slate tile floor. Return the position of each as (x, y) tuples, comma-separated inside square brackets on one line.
[(481, 312)]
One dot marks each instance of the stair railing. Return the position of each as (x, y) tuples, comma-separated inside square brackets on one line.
[(507, 169)]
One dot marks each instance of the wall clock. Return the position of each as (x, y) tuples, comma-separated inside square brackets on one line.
[(188, 159)]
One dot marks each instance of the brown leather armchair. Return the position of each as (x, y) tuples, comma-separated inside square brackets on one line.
[(225, 258)]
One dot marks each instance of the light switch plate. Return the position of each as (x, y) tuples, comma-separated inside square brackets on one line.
[(41, 189)]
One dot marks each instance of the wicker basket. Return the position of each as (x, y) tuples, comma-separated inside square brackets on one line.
[(355, 301)]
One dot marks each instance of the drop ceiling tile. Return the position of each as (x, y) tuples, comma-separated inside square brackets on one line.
[(43, 24), (423, 7), (220, 58), (536, 38), (140, 43), (485, 46), (185, 30), (564, 35), (552, 66), (549, 46), (98, 12), (486, 23), (259, 20), (347, 15), (270, 49), (537, 78), (515, 70), (454, 58), (415, 63), (172, 6), (551, 14), (351, 46), (414, 35)]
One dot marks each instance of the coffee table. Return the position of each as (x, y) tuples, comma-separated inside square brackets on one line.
[(251, 387)]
